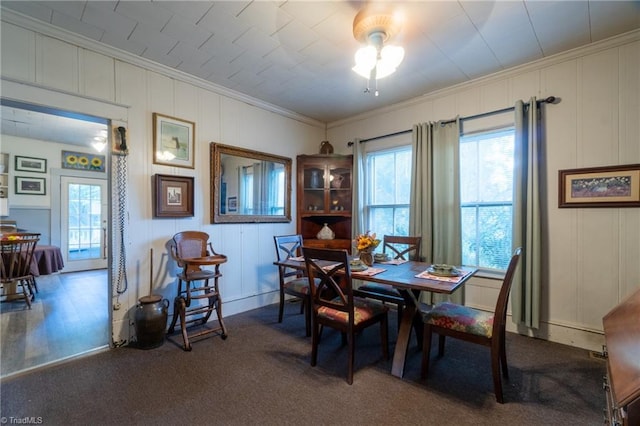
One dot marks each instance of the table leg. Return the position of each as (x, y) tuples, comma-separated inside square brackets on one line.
[(404, 332)]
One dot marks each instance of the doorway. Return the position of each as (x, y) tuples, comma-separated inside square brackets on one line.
[(71, 314), (83, 223)]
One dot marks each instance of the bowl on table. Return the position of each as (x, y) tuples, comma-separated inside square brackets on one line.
[(381, 257)]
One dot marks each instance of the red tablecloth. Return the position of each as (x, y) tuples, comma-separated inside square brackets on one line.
[(46, 260)]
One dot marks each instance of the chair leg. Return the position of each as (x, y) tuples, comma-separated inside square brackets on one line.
[(182, 307), (441, 345), (503, 357), (27, 297), (281, 309), (351, 342), (384, 337), (306, 304), (426, 351), (315, 339), (495, 369)]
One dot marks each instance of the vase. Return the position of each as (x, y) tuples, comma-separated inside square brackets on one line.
[(151, 321), (315, 180), (326, 147), (366, 257), (326, 233)]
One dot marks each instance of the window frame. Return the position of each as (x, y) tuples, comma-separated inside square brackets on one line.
[(496, 131), (368, 205)]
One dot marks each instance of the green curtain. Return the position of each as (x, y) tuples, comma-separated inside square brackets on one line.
[(434, 211), (357, 201), (529, 161)]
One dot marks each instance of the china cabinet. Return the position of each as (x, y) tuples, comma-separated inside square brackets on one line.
[(4, 184), (324, 197)]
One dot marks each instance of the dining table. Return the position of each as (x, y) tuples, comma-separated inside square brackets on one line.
[(410, 278)]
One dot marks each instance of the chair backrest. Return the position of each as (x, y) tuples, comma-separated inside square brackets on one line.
[(287, 246), (331, 271), (16, 251), (500, 315), (190, 244), (402, 247)]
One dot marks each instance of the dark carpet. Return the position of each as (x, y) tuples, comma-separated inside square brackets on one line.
[(261, 375)]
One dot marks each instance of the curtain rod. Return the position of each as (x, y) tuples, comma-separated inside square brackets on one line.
[(549, 100)]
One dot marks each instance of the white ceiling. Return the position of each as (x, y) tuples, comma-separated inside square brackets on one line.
[(298, 55)]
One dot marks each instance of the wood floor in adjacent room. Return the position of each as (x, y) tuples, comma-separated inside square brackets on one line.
[(68, 317)]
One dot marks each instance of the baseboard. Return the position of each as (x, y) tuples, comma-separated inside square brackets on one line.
[(237, 306), (563, 334)]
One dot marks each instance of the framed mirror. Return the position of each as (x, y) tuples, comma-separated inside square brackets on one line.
[(249, 186)]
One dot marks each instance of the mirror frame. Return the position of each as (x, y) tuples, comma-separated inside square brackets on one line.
[(216, 151)]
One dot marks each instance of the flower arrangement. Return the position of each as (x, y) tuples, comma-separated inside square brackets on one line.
[(366, 241)]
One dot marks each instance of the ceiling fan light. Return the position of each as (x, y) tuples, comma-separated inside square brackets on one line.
[(366, 58), (393, 55)]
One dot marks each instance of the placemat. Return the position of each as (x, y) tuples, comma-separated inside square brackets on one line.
[(369, 272), (428, 276), (394, 262)]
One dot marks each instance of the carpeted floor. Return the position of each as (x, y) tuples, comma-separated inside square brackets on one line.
[(261, 375)]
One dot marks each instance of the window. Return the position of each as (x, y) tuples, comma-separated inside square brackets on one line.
[(486, 196), (388, 190)]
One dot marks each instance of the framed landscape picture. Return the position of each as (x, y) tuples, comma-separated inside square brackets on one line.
[(611, 186), (173, 141), (173, 196), (31, 186), (30, 164)]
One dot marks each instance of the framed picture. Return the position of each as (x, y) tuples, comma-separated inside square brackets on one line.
[(232, 203), (83, 161), (613, 186), (173, 141), (31, 186), (173, 196), (30, 164)]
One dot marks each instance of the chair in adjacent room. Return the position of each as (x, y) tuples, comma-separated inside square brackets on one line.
[(475, 326), (334, 305), (397, 247), (192, 250), (293, 282), (16, 277)]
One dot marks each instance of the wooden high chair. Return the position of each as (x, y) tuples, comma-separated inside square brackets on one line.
[(192, 250)]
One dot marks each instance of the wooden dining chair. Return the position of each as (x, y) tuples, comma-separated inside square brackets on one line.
[(293, 282), (334, 305), (397, 247), (475, 326), (16, 252), (193, 245)]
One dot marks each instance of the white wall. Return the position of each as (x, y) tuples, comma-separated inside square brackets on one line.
[(593, 257), (76, 76)]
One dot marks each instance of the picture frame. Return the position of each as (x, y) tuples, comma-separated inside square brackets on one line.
[(31, 185), (609, 186), (83, 161), (173, 141), (30, 164), (173, 196), (232, 204)]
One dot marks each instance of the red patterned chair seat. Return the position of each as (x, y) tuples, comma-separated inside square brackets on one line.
[(363, 311), (461, 318)]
